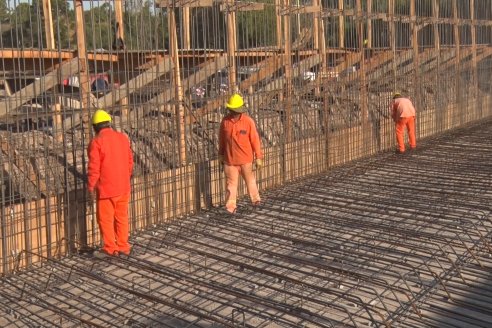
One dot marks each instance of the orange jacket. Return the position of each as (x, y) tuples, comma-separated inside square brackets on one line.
[(239, 142), (402, 107), (110, 164)]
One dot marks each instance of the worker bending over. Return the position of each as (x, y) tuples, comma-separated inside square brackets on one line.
[(403, 114)]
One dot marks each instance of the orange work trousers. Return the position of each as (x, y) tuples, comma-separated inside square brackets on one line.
[(409, 124), (232, 173), (112, 217)]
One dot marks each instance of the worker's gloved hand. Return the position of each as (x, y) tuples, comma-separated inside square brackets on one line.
[(221, 159), (259, 163)]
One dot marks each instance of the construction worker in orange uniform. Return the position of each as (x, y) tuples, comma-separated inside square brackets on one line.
[(403, 114), (239, 148), (109, 172)]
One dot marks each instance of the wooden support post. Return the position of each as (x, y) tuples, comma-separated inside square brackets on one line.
[(57, 121), (362, 71), (278, 25), (178, 104), (473, 31), (341, 26), (439, 119), (118, 12), (369, 24), (36, 88), (231, 47), (186, 37), (48, 25), (120, 33), (320, 44), (288, 76), (456, 33), (415, 54), (316, 23), (84, 81), (392, 37), (435, 15)]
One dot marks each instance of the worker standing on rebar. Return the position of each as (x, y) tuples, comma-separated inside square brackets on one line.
[(239, 148), (403, 114), (109, 172)]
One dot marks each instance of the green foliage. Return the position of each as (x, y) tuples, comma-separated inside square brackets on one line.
[(4, 12), (252, 26)]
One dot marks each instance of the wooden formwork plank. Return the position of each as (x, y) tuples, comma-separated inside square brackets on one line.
[(39, 86), (267, 68), (305, 157), (264, 94), (15, 235), (387, 67)]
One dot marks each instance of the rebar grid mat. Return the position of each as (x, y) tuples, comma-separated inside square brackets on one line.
[(389, 241)]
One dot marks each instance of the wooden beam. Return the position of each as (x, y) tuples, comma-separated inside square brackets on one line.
[(33, 53), (186, 37), (369, 24), (473, 32), (242, 6), (287, 57), (268, 67), (392, 37), (432, 20), (38, 87), (231, 47), (120, 26), (206, 70), (48, 25), (456, 34), (362, 72), (176, 81), (278, 23), (341, 25), (183, 3), (293, 10), (435, 15), (416, 58), (164, 66), (84, 80)]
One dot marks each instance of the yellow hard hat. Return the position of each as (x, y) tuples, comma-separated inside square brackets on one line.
[(100, 116), (236, 103), (396, 95)]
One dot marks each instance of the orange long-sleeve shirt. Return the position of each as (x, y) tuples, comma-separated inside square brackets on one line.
[(239, 142), (402, 107), (110, 164)]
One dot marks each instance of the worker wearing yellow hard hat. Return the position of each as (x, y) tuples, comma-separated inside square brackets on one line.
[(239, 148), (100, 116), (109, 170), (403, 114), (236, 104)]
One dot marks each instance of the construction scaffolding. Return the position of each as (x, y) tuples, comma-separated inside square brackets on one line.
[(317, 77)]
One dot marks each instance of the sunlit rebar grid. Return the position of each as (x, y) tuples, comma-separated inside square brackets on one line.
[(389, 241)]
